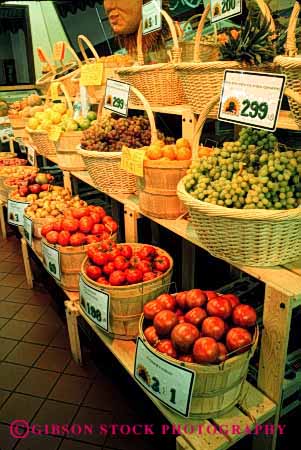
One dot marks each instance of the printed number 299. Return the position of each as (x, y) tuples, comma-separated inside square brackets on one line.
[(118, 102)]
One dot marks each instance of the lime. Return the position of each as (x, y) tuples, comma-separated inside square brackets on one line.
[(91, 116)]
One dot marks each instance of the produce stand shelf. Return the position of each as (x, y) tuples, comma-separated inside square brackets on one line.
[(253, 410)]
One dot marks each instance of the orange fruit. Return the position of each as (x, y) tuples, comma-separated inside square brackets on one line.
[(154, 152), (183, 153), (169, 152), (159, 143), (182, 142)]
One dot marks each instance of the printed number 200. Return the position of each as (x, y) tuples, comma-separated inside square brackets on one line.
[(227, 5)]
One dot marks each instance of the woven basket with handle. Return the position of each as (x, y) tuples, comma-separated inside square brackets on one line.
[(68, 71), (291, 63), (44, 81), (159, 83), (203, 80), (253, 237)]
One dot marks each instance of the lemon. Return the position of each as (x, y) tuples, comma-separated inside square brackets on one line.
[(59, 108), (33, 123), (55, 117)]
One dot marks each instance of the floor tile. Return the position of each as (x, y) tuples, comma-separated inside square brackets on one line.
[(30, 313), (19, 406), (24, 285), (38, 382), (6, 266), (2, 322), (70, 389), (7, 441), (3, 396), (6, 346), (89, 370), (2, 274), (55, 359), (19, 296), (8, 310), (25, 353), (11, 375), (95, 418), (39, 299), (13, 280), (39, 442), (19, 269), (61, 340), (62, 412), (41, 333), (5, 291), (105, 395), (50, 317), (15, 258), (15, 329), (74, 445)]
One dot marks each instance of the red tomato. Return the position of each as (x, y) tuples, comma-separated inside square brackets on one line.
[(111, 226), (126, 251), (181, 299), (98, 228), (195, 297), (186, 358), (77, 239), (149, 276), (113, 253), (134, 261), (213, 327), (107, 219), (222, 352), (107, 245), (68, 214), (78, 213), (57, 226), (152, 308), (70, 225), (161, 263), (219, 307), (167, 301), (151, 336), (52, 237), (147, 251), (117, 278), (237, 338), (205, 350), (91, 252), (96, 217), (144, 266), (93, 272), (134, 276), (165, 321), (121, 263), (64, 238), (99, 258), (100, 210), (104, 236), (157, 273), (244, 316), (233, 299), (91, 239), (165, 346), (183, 336), (102, 280), (210, 295), (46, 229), (86, 224), (109, 268), (195, 316)]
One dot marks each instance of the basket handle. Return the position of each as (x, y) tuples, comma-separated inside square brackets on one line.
[(291, 43), (149, 112), (266, 12), (47, 60), (81, 39), (199, 32), (200, 124), (190, 19), (175, 51), (293, 95), (73, 53)]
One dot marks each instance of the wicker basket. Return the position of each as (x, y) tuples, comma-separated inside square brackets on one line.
[(44, 81), (203, 80), (5, 190), (217, 387), (159, 83), (72, 68), (126, 302), (291, 64), (252, 237), (42, 143)]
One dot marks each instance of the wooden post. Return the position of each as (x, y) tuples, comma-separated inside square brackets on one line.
[(71, 315), (131, 224), (2, 222), (67, 181), (188, 125), (28, 272)]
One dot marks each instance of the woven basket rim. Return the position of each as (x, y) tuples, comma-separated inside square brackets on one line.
[(144, 68), (95, 154), (288, 61), (30, 131), (234, 213), (207, 65), (46, 78), (79, 247)]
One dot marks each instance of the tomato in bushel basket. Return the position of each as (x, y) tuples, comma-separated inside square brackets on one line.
[(209, 333), (161, 263)]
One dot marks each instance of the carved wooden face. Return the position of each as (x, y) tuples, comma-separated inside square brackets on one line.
[(124, 15)]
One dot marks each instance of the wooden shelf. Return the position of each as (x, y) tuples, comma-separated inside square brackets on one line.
[(254, 409)]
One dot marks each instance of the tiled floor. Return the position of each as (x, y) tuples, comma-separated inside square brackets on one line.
[(41, 384)]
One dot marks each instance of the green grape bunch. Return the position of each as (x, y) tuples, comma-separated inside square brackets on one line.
[(254, 172)]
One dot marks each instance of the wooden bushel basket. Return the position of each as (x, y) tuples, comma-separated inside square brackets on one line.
[(126, 302), (217, 387)]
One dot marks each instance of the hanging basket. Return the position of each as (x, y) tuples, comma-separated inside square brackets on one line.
[(250, 237), (159, 83)]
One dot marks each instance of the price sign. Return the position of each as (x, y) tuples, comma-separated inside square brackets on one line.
[(223, 9), (21, 145), (55, 133), (91, 74), (161, 378), (132, 160), (6, 131), (59, 51), (28, 229), (31, 155), (151, 16), (117, 97), (95, 304), (15, 212), (251, 98), (51, 260)]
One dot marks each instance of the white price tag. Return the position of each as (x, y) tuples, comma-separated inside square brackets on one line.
[(15, 212), (31, 155), (251, 98), (28, 229), (117, 97), (51, 260), (6, 132), (21, 145), (95, 304), (223, 9), (161, 378), (151, 16)]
